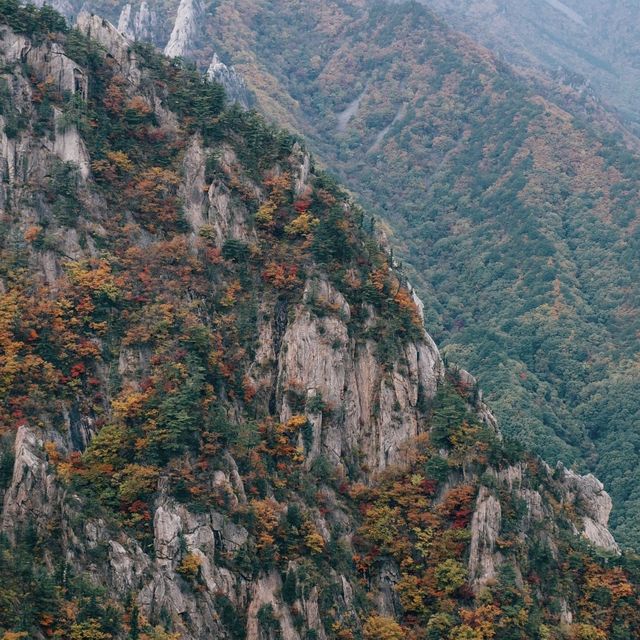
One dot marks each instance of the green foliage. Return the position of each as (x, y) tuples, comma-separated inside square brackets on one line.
[(268, 621), (449, 410), (289, 587), (231, 618), (14, 120), (31, 594), (437, 468), (63, 193), (450, 575), (32, 21)]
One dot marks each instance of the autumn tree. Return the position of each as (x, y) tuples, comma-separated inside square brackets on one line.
[(379, 627)]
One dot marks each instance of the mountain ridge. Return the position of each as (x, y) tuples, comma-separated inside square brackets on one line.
[(221, 413)]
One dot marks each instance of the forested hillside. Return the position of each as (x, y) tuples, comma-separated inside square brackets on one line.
[(220, 413), (592, 44), (516, 219)]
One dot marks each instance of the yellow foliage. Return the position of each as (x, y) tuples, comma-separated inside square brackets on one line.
[(105, 446), (412, 593), (89, 630), (267, 515), (95, 278), (189, 567), (424, 540), (52, 452), (381, 525), (231, 294), (137, 480), (340, 632), (159, 634), (314, 542), (130, 404), (382, 628), (121, 160), (465, 632), (278, 184), (450, 575), (265, 214), (295, 423), (586, 632), (481, 620), (302, 225)]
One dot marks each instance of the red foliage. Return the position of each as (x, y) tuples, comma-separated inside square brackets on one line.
[(302, 204), (281, 276)]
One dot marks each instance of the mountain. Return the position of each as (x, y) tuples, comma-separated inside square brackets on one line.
[(220, 414), (513, 212), (583, 41)]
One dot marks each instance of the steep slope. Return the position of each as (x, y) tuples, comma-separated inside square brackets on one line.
[(589, 40), (221, 415), (516, 220)]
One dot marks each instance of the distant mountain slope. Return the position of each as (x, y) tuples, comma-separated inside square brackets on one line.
[(518, 221), (594, 39)]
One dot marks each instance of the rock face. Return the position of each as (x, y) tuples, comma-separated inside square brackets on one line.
[(118, 46), (232, 82), (185, 28), (595, 503), (377, 410), (69, 146), (51, 62), (138, 24), (485, 529), (32, 491)]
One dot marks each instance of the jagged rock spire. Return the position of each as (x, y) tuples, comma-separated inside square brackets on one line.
[(232, 82), (184, 29)]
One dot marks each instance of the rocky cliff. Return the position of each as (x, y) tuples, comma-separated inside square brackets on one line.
[(221, 415)]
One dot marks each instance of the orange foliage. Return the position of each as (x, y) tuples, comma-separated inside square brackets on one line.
[(281, 276), (378, 277), (267, 513), (114, 95), (154, 193), (405, 301), (32, 233), (139, 104)]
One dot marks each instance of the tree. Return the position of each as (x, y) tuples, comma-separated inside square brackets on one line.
[(450, 575), (586, 632), (382, 628), (289, 587), (134, 630), (154, 195), (189, 567), (89, 630)]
